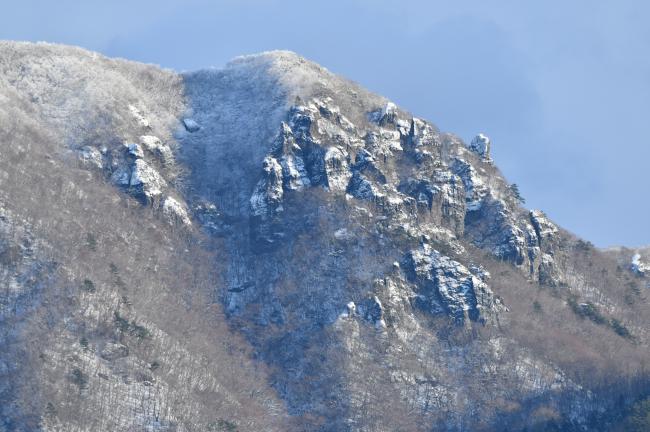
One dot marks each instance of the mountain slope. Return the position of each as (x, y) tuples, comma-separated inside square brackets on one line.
[(269, 246)]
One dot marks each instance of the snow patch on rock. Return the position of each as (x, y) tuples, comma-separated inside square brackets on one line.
[(175, 212), (155, 146), (481, 146), (545, 229), (638, 266), (475, 189), (143, 175), (268, 194), (92, 157), (336, 170), (446, 286), (139, 117)]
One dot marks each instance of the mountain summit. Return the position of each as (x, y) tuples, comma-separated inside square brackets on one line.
[(270, 247)]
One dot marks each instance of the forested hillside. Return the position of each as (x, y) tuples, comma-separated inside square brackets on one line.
[(269, 246)]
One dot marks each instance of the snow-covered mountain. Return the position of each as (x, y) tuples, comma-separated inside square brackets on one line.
[(269, 246)]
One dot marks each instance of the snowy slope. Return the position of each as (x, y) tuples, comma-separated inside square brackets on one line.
[(269, 246)]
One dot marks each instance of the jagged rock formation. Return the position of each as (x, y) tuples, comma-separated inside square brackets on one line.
[(638, 266), (448, 287), (481, 146), (271, 247)]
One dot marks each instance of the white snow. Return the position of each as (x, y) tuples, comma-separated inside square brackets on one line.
[(269, 191), (343, 234), (639, 266), (457, 286), (140, 118), (389, 108), (481, 145), (145, 175), (294, 170), (336, 168), (91, 156), (174, 211), (545, 227), (150, 142), (475, 188), (155, 146)]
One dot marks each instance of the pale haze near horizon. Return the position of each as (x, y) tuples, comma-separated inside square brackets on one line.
[(562, 90)]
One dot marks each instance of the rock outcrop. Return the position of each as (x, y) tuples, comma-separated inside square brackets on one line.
[(639, 266), (446, 286), (481, 146)]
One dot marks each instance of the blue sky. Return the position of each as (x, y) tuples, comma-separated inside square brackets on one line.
[(562, 88)]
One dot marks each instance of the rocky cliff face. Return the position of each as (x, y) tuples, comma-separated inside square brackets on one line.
[(271, 247)]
